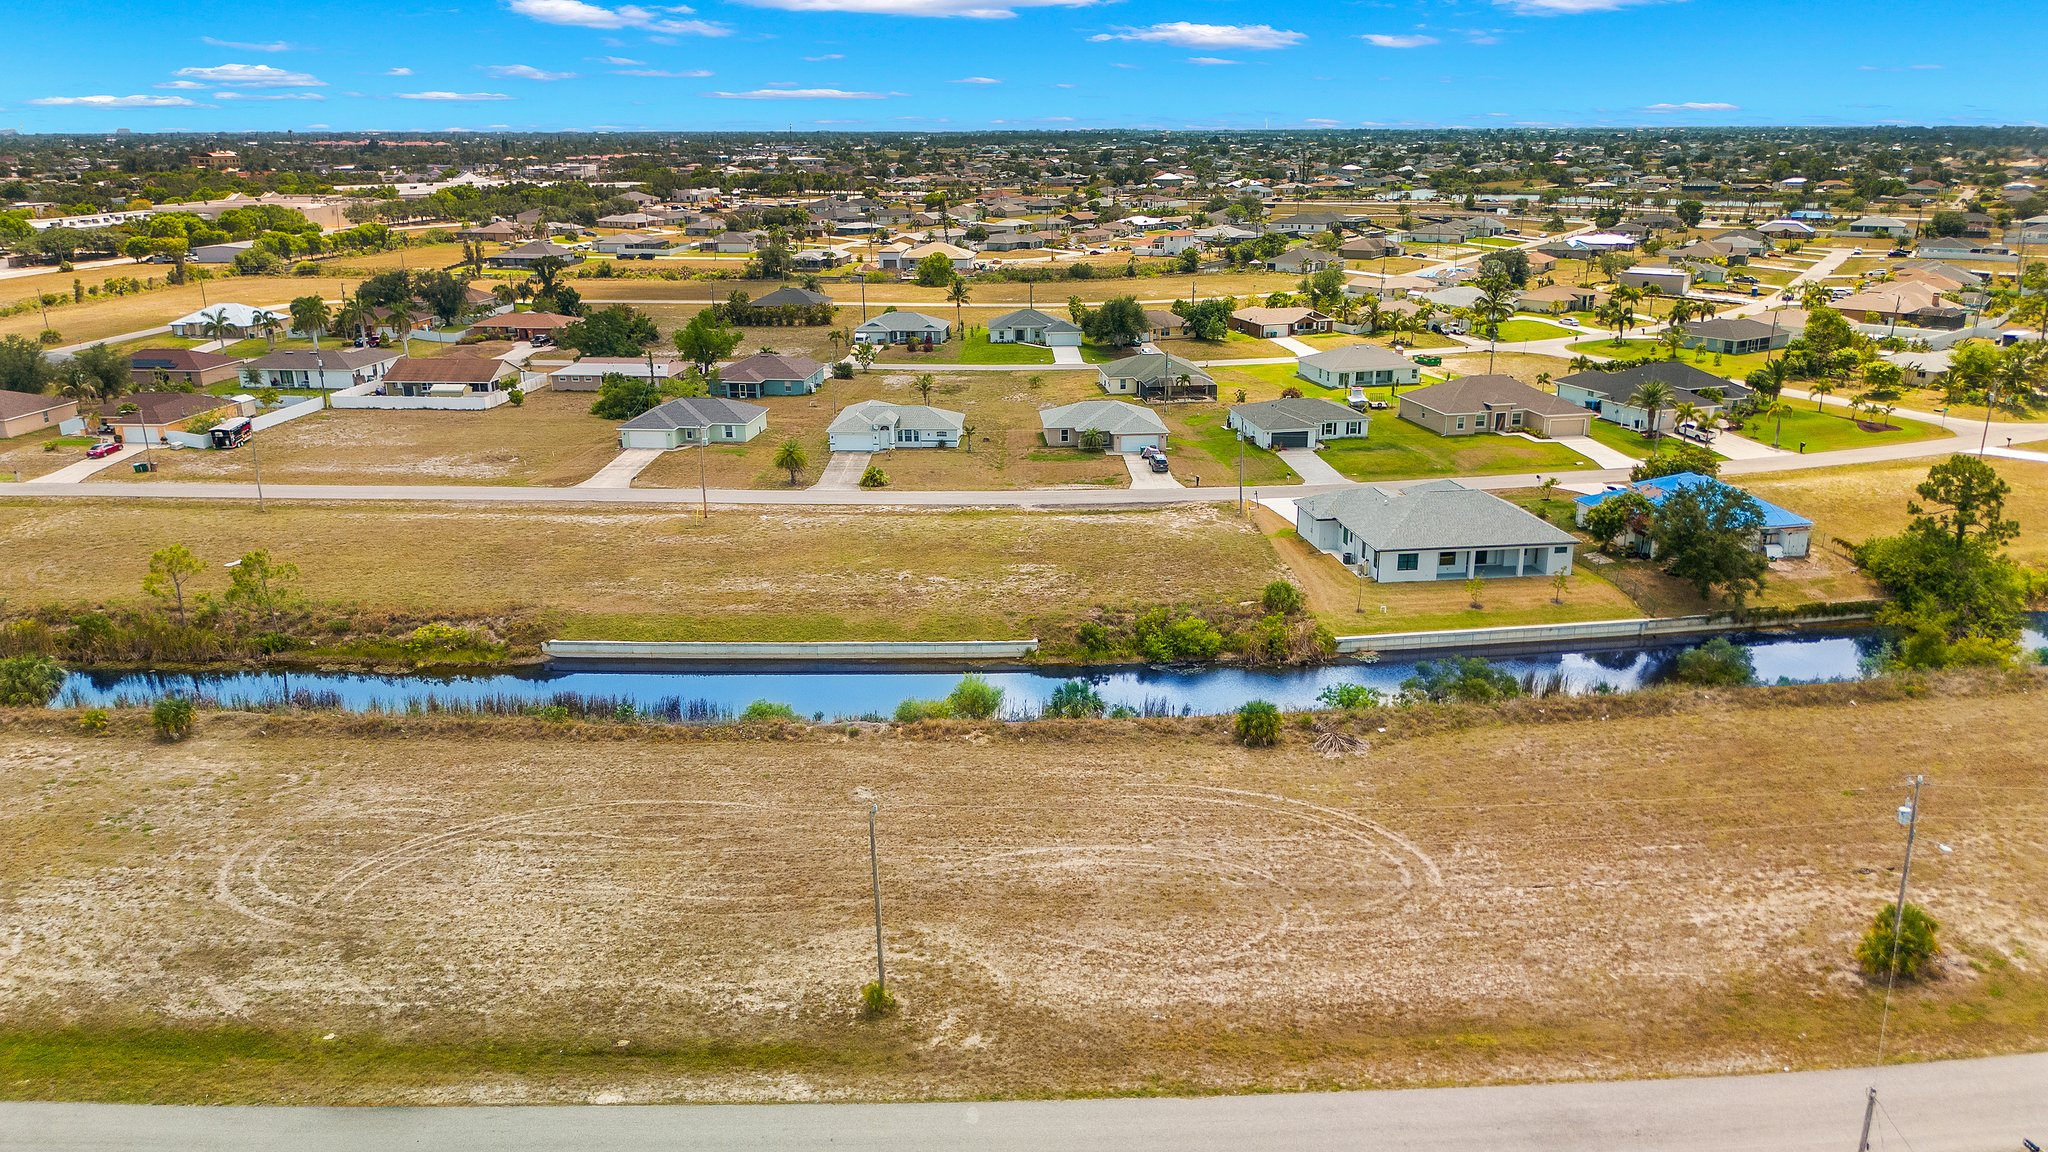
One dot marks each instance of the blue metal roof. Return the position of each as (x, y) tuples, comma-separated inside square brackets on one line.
[(1656, 490)]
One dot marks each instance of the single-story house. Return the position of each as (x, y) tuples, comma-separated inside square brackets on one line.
[(1787, 230), (25, 412), (523, 325), (788, 296), (1156, 376), (1358, 365), (159, 366), (1737, 336), (904, 328), (908, 258), (1302, 261), (447, 376), (690, 420), (532, 252), (1607, 393), (1669, 281), (587, 374), (1297, 422), (627, 220), (238, 321), (769, 374), (1130, 427), (223, 253), (1890, 226), (156, 413), (327, 369), (1161, 325), (1557, 299), (498, 231), (1921, 369), (879, 426), (1030, 326), (1784, 535), (1473, 404), (1267, 323), (738, 243), (1369, 247), (1439, 530), (637, 245)]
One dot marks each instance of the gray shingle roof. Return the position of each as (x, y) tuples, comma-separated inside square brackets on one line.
[(695, 412), (1474, 393), (303, 359), (903, 322), (1439, 515), (790, 297), (1112, 416), (769, 366), (869, 413), (1356, 357), (1033, 318), (1292, 414), (1151, 367), (1685, 378)]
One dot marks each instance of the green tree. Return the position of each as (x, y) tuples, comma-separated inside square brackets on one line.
[(1120, 321), (615, 331), (1707, 536), (1956, 597), (1207, 320), (622, 397), (262, 586), (1691, 212), (1619, 514), (169, 569), (957, 293), (1349, 696), (1653, 397), (935, 271), (1715, 662), (706, 340), (24, 366), (792, 458), (1898, 945), (1676, 458), (1282, 597), (1257, 724), (310, 316)]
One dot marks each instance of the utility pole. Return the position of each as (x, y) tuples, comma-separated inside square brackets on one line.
[(703, 490), (1240, 472), (1990, 399), (1910, 817), (875, 876), (256, 455)]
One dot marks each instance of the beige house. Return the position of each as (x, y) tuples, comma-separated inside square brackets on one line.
[(25, 412), (1470, 405)]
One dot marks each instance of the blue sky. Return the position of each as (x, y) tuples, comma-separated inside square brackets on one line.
[(960, 64)]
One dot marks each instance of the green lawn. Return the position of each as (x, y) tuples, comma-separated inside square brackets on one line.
[(1729, 367), (1399, 450), (976, 349), (1204, 447), (1620, 439), (1518, 329), (1830, 430), (1262, 382)]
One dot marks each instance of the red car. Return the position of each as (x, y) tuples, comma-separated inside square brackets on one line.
[(102, 450)]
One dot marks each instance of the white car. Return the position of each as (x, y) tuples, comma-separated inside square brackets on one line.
[(1569, 321)]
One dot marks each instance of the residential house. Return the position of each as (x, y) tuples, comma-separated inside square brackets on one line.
[(1359, 366), (879, 426), (792, 297), (692, 420), (1669, 281), (1439, 530), (738, 243), (1470, 405), (160, 367), (1607, 394), (1557, 299), (587, 374), (223, 253), (1958, 248), (1304, 261), (909, 258), (1030, 326), (145, 418), (1129, 427), (531, 253), (627, 220), (1160, 325), (1268, 323), (328, 369), (1297, 422), (496, 232), (1307, 223), (1156, 376), (904, 328), (529, 326), (1784, 535), (1887, 226), (1787, 230), (637, 245), (1170, 243), (237, 322), (1736, 336), (24, 412), (769, 374), (1369, 247), (447, 376), (1921, 369), (1915, 303)]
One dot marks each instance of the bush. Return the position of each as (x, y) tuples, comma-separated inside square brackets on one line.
[(762, 711), (1349, 696), (841, 370), (29, 681), (1282, 597), (913, 710), (975, 698), (515, 397), (1916, 943), (94, 720), (1715, 662), (1463, 678), (1075, 700), (172, 717), (1164, 640), (1258, 724), (874, 477), (876, 1002), (1094, 639)]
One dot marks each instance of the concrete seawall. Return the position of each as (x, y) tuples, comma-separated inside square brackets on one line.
[(840, 651), (1615, 633)]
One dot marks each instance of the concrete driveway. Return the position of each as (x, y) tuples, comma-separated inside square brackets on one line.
[(1068, 357), (86, 469), (1298, 347), (1597, 452), (1746, 447), (1312, 468), (842, 472), (630, 462), (1142, 475)]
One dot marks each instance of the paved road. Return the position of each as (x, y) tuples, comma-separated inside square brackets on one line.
[(1961, 1106)]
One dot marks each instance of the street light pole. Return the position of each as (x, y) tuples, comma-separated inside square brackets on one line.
[(703, 491), (1240, 472), (1910, 817), (875, 877)]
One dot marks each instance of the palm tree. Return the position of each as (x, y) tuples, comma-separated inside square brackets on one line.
[(269, 323), (1653, 397), (924, 384), (1775, 409), (792, 458), (1814, 295), (399, 316), (957, 294), (1819, 389), (838, 338), (352, 317), (215, 325), (506, 294), (1686, 412), (310, 315), (1496, 303)]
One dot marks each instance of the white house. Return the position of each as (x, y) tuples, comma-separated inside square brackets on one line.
[(587, 374), (241, 321), (1359, 365), (879, 426), (328, 369), (903, 328), (692, 420), (1297, 422), (1130, 427), (1030, 326), (1439, 530)]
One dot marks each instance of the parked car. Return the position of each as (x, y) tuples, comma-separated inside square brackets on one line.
[(102, 450), (1149, 451), (1570, 321), (1745, 280), (1159, 464)]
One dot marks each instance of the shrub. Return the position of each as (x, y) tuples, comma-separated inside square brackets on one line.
[(1094, 639), (1258, 724), (876, 1002), (1075, 700), (975, 698), (1464, 678), (1348, 696), (1282, 597), (841, 370), (761, 711), (172, 717), (436, 638), (874, 477), (29, 681), (515, 397), (1164, 640), (1916, 944), (94, 720), (913, 710), (1715, 662)]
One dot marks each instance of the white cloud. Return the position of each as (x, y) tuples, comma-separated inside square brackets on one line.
[(622, 62), (525, 72), (969, 9), (1898, 67), (977, 80), (799, 94), (183, 85), (1186, 35), (1694, 106), (251, 76), (1210, 61), (399, 72), (1319, 122), (268, 96), (825, 57), (663, 74), (578, 14), (114, 102), (453, 97), (273, 46), (1382, 40), (1063, 85), (1569, 7)]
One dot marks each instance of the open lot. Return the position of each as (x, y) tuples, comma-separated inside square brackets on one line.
[(1396, 449), (1866, 500), (292, 909), (603, 573), (23, 456), (1832, 429)]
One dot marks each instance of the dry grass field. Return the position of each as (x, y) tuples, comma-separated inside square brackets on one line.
[(609, 573), (1867, 500), (309, 909), (24, 456)]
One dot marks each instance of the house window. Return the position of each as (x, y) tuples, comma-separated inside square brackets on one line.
[(1461, 423), (1354, 428), (1407, 562), (1561, 549), (1328, 430), (1447, 559)]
